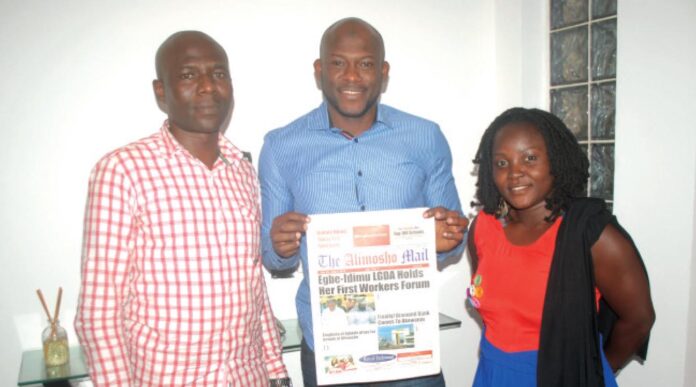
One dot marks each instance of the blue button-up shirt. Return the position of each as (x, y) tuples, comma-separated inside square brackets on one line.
[(402, 161)]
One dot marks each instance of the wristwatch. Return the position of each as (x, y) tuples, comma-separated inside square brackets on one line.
[(284, 382)]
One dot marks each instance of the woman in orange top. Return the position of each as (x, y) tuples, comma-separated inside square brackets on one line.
[(541, 257)]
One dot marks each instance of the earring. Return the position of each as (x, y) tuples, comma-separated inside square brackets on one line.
[(503, 209)]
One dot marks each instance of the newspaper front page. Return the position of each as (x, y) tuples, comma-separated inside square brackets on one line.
[(372, 280)]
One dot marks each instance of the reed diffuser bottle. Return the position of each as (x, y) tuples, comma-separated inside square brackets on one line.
[(54, 337), (55, 344)]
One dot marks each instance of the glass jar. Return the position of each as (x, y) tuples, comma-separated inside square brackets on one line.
[(55, 345)]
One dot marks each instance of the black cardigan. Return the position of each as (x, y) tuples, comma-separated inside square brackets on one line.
[(570, 326)]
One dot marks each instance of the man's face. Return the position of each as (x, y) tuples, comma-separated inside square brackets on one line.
[(195, 88), (351, 72)]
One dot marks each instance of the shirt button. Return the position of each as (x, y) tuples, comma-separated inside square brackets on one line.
[(360, 173), (362, 208), (355, 140)]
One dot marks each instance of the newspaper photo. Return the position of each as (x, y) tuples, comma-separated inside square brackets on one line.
[(372, 280)]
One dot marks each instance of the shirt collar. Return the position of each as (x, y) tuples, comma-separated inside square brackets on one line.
[(229, 154), (320, 120)]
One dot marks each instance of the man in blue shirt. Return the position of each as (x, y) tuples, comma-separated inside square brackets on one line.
[(352, 154)]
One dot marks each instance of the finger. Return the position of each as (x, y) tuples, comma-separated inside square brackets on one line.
[(286, 244), (454, 235), (295, 217), (291, 227), (454, 219), (453, 230), (457, 226), (439, 213), (286, 249), (286, 237)]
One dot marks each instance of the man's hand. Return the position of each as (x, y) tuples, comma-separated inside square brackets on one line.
[(449, 228), (286, 232)]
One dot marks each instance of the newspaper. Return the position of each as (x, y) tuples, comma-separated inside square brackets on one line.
[(372, 279)]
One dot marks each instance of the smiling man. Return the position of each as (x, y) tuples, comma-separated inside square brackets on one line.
[(172, 289), (352, 154)]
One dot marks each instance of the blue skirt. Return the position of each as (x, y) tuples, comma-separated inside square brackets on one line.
[(498, 368)]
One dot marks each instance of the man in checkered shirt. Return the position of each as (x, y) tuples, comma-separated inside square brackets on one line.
[(172, 289)]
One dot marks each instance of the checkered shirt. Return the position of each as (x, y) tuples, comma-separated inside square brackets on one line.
[(172, 289)]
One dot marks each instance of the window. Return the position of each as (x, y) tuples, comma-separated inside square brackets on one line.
[(583, 82)]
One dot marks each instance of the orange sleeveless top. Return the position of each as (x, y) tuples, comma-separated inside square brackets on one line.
[(509, 285)]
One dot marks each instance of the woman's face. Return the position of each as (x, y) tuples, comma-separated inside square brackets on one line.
[(521, 166)]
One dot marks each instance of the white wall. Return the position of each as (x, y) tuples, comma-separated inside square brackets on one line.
[(690, 372), (655, 172), (77, 80), (522, 65)]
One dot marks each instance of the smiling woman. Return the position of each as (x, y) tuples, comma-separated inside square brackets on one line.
[(543, 259), (522, 171)]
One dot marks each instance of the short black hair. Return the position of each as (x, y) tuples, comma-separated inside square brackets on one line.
[(569, 163)]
